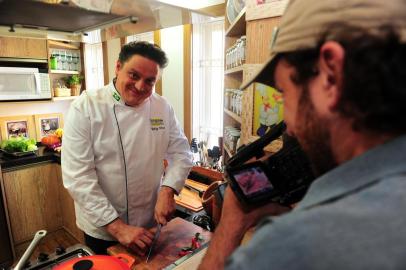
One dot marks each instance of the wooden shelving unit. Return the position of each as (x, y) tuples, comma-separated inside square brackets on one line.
[(233, 76), (237, 28), (256, 23), (229, 153), (233, 115), (64, 98), (238, 69), (54, 71)]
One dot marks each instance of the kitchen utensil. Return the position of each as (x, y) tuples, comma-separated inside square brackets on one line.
[(27, 254), (158, 231), (118, 262)]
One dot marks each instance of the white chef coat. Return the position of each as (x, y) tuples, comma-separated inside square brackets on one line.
[(112, 158)]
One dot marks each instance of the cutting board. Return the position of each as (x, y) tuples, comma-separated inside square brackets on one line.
[(178, 233)]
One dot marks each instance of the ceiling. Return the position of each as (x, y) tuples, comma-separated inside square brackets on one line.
[(79, 16)]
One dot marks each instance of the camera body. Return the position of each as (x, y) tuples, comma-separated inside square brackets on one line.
[(283, 178)]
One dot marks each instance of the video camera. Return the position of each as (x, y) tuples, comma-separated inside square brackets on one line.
[(283, 178)]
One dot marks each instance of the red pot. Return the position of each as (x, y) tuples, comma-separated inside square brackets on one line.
[(98, 262)]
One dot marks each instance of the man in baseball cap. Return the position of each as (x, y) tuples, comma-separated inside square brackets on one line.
[(341, 67)]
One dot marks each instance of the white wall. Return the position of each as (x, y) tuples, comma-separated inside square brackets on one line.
[(113, 50), (34, 107), (172, 78)]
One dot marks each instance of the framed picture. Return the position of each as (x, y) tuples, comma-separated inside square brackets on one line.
[(268, 109), (19, 125), (46, 124)]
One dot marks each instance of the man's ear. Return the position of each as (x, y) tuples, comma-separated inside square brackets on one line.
[(118, 66), (331, 63)]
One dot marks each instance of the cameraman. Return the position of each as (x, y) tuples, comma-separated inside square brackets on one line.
[(341, 67)]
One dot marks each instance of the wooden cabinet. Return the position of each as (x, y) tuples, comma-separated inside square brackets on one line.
[(15, 47), (32, 197), (68, 209), (35, 199)]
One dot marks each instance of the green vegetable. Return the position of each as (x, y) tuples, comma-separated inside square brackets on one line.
[(19, 144)]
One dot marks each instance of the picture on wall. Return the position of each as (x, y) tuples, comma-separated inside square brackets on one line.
[(47, 124), (15, 126), (268, 109)]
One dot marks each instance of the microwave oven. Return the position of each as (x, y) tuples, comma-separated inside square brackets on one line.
[(19, 83)]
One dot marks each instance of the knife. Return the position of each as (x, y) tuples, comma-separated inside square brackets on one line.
[(158, 231)]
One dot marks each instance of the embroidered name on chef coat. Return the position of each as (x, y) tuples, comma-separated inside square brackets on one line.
[(157, 123)]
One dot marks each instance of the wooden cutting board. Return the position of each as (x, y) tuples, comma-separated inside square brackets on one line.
[(178, 233)]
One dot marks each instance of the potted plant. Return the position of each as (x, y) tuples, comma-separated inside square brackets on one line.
[(75, 83)]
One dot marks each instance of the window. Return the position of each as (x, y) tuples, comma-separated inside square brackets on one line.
[(148, 36), (93, 54), (208, 81)]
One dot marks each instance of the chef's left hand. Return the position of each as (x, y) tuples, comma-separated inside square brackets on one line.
[(165, 205)]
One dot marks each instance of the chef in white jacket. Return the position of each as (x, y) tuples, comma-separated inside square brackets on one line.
[(115, 141)]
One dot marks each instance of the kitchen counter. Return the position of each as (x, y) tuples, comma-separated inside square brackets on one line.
[(41, 155)]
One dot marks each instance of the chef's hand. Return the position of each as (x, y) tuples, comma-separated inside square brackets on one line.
[(165, 205), (137, 239)]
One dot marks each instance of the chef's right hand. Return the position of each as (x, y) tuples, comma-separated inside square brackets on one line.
[(137, 239)]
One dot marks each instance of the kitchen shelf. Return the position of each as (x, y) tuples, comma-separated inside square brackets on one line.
[(54, 44), (227, 150), (233, 115), (237, 28), (64, 98), (55, 71), (234, 70)]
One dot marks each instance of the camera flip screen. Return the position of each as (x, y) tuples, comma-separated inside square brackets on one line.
[(253, 181)]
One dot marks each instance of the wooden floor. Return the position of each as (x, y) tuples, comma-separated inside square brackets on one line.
[(49, 243)]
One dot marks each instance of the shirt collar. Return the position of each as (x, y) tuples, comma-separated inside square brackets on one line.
[(366, 169), (115, 95)]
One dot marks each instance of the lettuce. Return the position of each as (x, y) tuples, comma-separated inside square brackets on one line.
[(19, 144)]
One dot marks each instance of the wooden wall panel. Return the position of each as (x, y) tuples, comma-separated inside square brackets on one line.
[(187, 80), (259, 33)]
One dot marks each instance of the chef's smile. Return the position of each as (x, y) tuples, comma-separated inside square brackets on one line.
[(136, 79)]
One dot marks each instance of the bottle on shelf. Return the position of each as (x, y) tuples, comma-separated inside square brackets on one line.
[(53, 61)]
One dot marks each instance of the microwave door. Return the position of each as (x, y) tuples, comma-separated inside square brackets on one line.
[(19, 86)]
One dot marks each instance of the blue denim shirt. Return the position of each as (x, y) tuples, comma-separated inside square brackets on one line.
[(353, 217)]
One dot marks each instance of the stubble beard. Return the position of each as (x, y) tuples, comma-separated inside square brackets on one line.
[(313, 135)]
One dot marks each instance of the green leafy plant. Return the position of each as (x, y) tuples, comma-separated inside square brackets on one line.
[(19, 144), (74, 79)]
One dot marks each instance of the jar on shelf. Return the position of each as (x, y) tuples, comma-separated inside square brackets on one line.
[(239, 47), (243, 48), (227, 99)]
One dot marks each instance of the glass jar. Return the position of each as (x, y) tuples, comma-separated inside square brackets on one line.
[(243, 48)]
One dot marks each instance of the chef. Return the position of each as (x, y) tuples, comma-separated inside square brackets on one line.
[(114, 146)]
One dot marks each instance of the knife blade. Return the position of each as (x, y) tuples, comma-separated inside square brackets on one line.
[(156, 236)]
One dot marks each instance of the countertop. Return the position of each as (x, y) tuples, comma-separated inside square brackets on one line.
[(41, 155)]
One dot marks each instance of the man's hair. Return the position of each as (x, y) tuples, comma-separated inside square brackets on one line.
[(374, 76), (145, 49)]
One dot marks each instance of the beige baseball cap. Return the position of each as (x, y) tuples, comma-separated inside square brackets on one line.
[(305, 20)]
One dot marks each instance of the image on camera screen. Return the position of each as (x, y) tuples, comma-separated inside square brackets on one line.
[(253, 181)]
